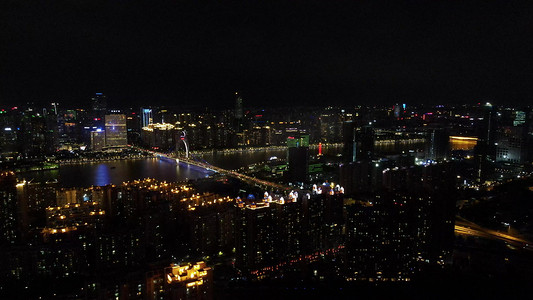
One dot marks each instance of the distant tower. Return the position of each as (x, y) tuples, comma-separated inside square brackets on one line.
[(146, 117), (485, 150), (98, 110), (358, 143), (239, 114), (349, 145), (99, 104), (365, 143), (437, 144)]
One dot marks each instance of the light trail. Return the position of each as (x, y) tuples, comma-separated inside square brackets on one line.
[(465, 227), (303, 258)]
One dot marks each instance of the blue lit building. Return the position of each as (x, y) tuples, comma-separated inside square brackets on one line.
[(146, 117)]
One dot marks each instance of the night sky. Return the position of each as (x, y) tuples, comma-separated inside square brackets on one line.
[(275, 52)]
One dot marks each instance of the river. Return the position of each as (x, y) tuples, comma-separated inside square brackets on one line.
[(115, 172)]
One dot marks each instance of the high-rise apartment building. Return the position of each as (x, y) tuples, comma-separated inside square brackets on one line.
[(485, 150), (437, 144), (8, 208), (349, 145), (298, 158)]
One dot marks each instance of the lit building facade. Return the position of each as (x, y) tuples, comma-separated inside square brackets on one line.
[(146, 117), (159, 136), (116, 133), (97, 140), (192, 281)]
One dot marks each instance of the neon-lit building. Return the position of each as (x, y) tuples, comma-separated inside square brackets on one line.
[(146, 117)]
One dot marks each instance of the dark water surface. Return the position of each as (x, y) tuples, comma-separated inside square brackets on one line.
[(116, 172)]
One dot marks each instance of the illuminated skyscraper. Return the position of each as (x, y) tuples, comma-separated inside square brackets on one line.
[(115, 130), (146, 117)]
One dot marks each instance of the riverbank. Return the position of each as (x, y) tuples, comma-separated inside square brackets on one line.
[(46, 166), (257, 149), (102, 159)]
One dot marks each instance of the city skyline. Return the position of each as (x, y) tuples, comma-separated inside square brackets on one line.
[(181, 201), (269, 150)]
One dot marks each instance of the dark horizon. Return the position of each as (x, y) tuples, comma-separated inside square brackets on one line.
[(301, 52)]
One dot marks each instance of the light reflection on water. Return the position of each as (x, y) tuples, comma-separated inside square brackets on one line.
[(462, 144), (102, 176), (116, 172)]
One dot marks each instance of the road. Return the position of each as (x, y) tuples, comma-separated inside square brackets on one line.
[(465, 227)]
